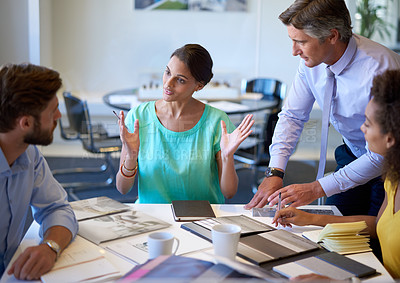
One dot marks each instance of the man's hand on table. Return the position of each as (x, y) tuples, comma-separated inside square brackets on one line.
[(266, 188), (33, 263), (296, 194)]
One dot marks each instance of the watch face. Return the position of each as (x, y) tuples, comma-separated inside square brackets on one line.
[(273, 172), (53, 245)]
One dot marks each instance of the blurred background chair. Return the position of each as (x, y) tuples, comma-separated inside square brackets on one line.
[(254, 151), (94, 139)]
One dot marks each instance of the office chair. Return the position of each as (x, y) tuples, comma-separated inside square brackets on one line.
[(254, 151), (94, 139)]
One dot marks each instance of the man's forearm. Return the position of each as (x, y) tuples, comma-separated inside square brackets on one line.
[(356, 173), (59, 234)]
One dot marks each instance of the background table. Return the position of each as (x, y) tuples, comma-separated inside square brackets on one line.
[(125, 99), (164, 212)]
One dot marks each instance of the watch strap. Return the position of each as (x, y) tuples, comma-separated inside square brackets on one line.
[(271, 171), (53, 245)]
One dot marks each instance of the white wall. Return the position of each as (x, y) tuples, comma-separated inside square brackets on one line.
[(14, 41), (104, 45), (100, 46)]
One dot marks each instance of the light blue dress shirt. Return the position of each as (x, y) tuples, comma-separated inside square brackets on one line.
[(29, 183), (354, 73)]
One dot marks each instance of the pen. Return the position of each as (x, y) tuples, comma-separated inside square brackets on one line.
[(115, 113), (279, 201)]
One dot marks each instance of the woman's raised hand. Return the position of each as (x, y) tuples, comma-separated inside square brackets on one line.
[(230, 142), (130, 140)]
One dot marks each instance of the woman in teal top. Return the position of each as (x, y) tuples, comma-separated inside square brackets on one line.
[(183, 148)]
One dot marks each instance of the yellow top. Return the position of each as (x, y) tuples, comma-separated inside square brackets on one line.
[(388, 229)]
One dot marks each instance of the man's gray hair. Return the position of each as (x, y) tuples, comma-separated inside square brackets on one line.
[(318, 17)]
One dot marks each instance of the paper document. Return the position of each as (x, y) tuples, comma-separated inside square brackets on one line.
[(136, 248), (115, 226), (312, 235), (81, 260), (99, 270), (98, 206)]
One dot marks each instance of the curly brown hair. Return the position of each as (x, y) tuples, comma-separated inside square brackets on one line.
[(25, 89), (385, 93)]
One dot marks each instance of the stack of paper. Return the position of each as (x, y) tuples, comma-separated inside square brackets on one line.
[(343, 238)]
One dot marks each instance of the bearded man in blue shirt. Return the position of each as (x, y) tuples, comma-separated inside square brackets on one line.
[(322, 36), (29, 113)]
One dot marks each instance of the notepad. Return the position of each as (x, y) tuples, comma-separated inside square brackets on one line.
[(343, 238), (191, 210)]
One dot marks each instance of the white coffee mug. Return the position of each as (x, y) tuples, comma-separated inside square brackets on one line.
[(225, 238), (160, 243)]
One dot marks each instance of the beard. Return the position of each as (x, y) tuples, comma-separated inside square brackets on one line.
[(39, 136)]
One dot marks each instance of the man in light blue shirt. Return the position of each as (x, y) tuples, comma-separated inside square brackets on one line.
[(322, 37), (29, 113)]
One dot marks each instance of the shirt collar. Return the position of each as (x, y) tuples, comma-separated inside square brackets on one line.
[(21, 163), (346, 58)]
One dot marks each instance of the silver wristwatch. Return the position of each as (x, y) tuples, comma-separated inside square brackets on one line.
[(53, 245), (271, 171)]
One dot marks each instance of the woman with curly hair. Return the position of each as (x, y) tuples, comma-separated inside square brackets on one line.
[(382, 133)]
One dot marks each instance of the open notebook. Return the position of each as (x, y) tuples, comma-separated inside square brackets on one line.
[(343, 238)]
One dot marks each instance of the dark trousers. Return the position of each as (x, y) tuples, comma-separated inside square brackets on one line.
[(362, 200)]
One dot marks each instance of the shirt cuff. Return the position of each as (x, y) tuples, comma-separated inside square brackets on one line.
[(278, 162), (328, 184), (64, 220)]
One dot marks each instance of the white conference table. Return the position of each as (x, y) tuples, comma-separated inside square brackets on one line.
[(164, 212)]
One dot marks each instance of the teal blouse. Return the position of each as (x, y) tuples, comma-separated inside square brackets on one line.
[(178, 165)]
